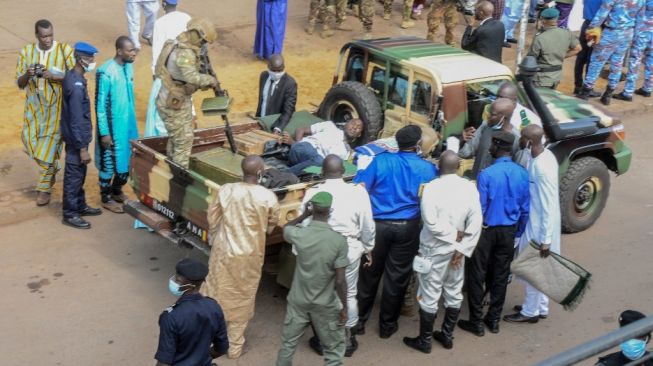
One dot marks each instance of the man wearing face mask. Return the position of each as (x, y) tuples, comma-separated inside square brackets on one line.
[(178, 67), (116, 123), (312, 144), (504, 195), (632, 349), (76, 132), (239, 218), (277, 93), (478, 142), (192, 331)]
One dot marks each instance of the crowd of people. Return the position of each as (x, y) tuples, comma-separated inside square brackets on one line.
[(402, 219)]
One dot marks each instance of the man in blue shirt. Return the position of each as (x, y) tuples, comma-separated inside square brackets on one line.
[(503, 190), (590, 7), (393, 181), (192, 331), (76, 132)]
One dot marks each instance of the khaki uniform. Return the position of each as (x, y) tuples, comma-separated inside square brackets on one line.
[(312, 298), (442, 9), (549, 48), (324, 10), (408, 8), (367, 14), (174, 101)]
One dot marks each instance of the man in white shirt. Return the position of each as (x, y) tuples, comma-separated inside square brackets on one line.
[(312, 144), (351, 216), (149, 9), (169, 26), (452, 217), (522, 116), (543, 226)]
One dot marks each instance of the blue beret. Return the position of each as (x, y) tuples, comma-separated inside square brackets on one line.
[(550, 13), (192, 269), (85, 48), (171, 2)]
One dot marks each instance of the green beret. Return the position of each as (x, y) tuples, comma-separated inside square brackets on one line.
[(550, 13), (322, 199)]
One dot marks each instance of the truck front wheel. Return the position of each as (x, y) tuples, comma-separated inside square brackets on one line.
[(584, 192), (351, 99)]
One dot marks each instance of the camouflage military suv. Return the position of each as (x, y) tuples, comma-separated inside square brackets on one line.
[(389, 83)]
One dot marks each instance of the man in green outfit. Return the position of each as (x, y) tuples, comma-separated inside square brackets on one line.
[(318, 294), (551, 45)]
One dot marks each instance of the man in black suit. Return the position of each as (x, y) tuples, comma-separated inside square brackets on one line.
[(277, 93), (487, 39)]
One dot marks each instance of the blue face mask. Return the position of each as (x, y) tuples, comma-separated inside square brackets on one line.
[(499, 124), (174, 287), (633, 349)]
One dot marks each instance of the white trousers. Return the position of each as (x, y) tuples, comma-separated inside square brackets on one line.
[(150, 9), (535, 303), (351, 274), (441, 280)]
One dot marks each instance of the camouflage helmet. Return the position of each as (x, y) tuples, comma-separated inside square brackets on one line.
[(204, 27)]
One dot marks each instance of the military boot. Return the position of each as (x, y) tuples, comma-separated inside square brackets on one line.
[(351, 342), (445, 335), (406, 21), (405, 24), (326, 32), (310, 28), (642, 92), (585, 92), (422, 342), (607, 96), (356, 10), (387, 15), (623, 96)]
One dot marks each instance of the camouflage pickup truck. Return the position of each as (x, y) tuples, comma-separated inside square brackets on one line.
[(389, 83)]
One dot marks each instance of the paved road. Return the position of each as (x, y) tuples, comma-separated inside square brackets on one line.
[(93, 297)]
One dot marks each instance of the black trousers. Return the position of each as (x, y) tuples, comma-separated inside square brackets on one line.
[(396, 245), (582, 58), (493, 254), (74, 198)]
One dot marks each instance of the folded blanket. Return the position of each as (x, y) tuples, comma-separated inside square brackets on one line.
[(562, 280)]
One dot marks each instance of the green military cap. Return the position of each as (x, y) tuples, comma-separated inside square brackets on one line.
[(322, 199), (550, 13)]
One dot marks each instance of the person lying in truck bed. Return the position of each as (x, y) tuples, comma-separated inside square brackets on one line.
[(311, 144)]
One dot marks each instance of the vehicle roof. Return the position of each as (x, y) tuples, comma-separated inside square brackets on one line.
[(449, 64)]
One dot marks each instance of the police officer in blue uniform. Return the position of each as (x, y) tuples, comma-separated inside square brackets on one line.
[(632, 351), (76, 132), (193, 330)]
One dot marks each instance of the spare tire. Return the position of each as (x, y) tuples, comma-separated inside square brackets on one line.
[(351, 99)]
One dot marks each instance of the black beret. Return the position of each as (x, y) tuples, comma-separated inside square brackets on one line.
[(503, 139), (408, 136), (192, 269), (630, 316)]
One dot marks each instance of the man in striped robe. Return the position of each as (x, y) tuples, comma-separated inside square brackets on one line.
[(40, 69)]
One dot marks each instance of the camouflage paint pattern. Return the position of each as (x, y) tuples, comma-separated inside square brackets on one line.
[(442, 10), (408, 8), (325, 10), (367, 14)]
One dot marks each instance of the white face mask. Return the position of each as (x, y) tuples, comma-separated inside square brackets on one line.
[(276, 75), (90, 67)]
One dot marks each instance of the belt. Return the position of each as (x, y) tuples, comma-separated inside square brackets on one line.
[(498, 226), (398, 222), (550, 68)]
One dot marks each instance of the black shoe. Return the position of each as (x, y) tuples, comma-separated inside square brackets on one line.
[(314, 343), (90, 211), (607, 96), (624, 97), (642, 92), (519, 318), (492, 325), (532, 20), (584, 92), (506, 45), (577, 90), (359, 328), (76, 222), (511, 40), (351, 343), (423, 342), (594, 94), (476, 328), (518, 308), (386, 332), (445, 335)]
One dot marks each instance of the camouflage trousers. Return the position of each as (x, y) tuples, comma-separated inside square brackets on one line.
[(367, 14), (179, 123), (442, 9), (327, 11), (408, 8), (641, 49), (612, 48)]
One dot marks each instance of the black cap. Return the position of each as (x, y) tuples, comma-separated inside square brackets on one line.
[(503, 140), (408, 136), (630, 316), (192, 269)]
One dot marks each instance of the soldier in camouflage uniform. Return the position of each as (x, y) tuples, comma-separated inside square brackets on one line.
[(446, 9), (408, 10), (367, 17), (178, 67), (617, 18), (642, 48), (327, 11)]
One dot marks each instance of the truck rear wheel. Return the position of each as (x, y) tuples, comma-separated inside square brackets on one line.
[(584, 192), (351, 99)]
